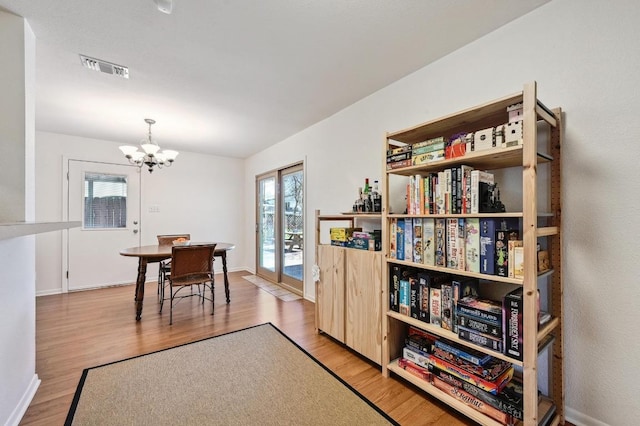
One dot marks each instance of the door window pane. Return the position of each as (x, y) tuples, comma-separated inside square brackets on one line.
[(293, 203), (267, 203), (105, 201)]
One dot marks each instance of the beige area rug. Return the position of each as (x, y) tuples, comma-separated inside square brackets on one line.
[(272, 288), (255, 376)]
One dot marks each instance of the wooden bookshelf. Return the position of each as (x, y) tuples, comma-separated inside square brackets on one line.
[(536, 148)]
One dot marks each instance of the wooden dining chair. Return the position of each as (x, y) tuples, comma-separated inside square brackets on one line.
[(165, 266), (190, 265)]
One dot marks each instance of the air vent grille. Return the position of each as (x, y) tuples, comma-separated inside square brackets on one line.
[(104, 66)]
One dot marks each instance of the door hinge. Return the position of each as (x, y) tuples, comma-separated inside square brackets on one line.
[(67, 274), (67, 175)]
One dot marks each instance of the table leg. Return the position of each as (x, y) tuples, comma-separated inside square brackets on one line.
[(142, 272), (226, 278)]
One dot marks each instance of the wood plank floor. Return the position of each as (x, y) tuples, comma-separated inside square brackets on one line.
[(89, 328)]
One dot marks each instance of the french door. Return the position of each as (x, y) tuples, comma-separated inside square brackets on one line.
[(280, 227)]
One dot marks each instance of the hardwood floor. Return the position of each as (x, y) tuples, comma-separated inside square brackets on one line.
[(85, 329)]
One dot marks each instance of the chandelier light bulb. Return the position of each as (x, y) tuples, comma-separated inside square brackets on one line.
[(170, 154), (128, 150), (150, 153)]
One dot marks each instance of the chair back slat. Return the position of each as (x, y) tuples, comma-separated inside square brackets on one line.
[(167, 239)]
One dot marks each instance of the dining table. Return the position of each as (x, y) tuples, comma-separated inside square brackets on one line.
[(157, 253)]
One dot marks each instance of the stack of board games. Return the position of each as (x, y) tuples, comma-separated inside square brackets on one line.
[(453, 303), (399, 157), (479, 380), (417, 344), (480, 322), (428, 151)]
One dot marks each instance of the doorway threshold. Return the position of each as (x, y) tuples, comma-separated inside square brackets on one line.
[(274, 289)]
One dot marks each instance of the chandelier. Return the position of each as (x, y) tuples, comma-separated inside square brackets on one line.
[(150, 155)]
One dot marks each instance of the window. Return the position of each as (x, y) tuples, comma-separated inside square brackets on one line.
[(105, 201)]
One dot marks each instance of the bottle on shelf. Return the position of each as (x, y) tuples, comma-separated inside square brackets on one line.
[(367, 203), (358, 206), (376, 198)]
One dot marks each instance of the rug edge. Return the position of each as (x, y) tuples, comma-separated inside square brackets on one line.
[(340, 379), (76, 398)]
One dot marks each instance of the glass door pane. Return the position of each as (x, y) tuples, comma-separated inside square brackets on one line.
[(280, 227), (266, 227), (292, 202)]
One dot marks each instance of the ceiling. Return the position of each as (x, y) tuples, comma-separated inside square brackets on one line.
[(232, 77)]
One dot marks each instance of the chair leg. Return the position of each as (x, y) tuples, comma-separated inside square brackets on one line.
[(162, 278), (213, 296), (171, 307)]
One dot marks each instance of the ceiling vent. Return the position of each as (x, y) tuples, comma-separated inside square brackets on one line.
[(104, 66)]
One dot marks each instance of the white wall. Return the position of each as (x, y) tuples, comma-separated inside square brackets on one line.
[(18, 379), (585, 58), (199, 194), (12, 124)]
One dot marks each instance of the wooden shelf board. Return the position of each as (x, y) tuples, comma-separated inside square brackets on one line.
[(478, 215), (548, 328), (470, 120), (490, 159), (546, 114), (516, 281), (480, 117), (449, 335), (547, 231), (437, 393), (544, 405), (348, 216)]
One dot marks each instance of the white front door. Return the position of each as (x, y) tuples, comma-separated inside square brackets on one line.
[(106, 199)]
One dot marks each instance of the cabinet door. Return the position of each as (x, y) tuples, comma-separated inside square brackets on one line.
[(330, 291), (364, 303)]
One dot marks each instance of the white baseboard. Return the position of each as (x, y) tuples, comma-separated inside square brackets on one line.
[(18, 412), (48, 292), (59, 291), (580, 419)]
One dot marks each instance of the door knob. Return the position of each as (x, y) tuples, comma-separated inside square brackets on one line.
[(135, 222), (135, 231)]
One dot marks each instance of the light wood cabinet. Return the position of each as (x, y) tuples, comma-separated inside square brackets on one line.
[(349, 294), (364, 303), (330, 291), (541, 145)]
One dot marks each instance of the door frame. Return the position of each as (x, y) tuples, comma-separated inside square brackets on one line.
[(64, 249), (274, 275), (285, 279), (278, 276)]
